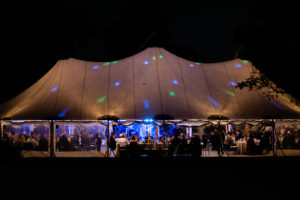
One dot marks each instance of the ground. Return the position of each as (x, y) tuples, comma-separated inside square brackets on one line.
[(176, 178)]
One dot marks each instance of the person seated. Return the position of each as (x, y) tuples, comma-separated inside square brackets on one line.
[(43, 143), (196, 146), (31, 140), (149, 138), (161, 139), (238, 135), (136, 137), (123, 141)]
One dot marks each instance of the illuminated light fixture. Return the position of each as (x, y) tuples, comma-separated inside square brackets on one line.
[(63, 112), (114, 62), (192, 65), (161, 57), (148, 120), (101, 99), (238, 65), (281, 107), (54, 89), (146, 104), (146, 62), (117, 83), (233, 83), (230, 93), (197, 63), (172, 93), (245, 61), (106, 63), (213, 101), (96, 67), (154, 58), (175, 82)]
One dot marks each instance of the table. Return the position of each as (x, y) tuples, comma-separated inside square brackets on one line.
[(242, 147)]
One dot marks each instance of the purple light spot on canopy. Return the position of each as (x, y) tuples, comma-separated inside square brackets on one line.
[(146, 104), (63, 112), (175, 82), (233, 83), (146, 62), (213, 101), (281, 107), (54, 89), (96, 67), (117, 83), (192, 65), (238, 65)]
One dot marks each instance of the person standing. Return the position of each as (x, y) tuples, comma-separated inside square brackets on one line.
[(98, 140)]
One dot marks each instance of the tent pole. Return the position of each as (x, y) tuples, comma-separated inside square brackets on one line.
[(1, 130), (274, 141), (107, 142), (52, 133)]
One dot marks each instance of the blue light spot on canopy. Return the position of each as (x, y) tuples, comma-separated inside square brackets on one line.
[(63, 112), (146, 104), (192, 65), (175, 82), (146, 62), (213, 101), (96, 67), (117, 83), (238, 65), (54, 89), (233, 83)]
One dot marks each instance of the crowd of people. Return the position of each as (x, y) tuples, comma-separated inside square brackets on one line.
[(82, 141), (178, 144), (27, 141)]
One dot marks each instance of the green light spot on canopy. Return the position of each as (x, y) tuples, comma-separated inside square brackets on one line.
[(197, 63), (245, 61), (114, 62), (106, 63), (172, 93), (230, 93), (101, 99), (160, 56), (154, 58)]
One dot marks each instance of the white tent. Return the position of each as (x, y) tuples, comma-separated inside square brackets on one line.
[(151, 82)]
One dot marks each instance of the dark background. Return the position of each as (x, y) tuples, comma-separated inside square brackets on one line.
[(35, 35)]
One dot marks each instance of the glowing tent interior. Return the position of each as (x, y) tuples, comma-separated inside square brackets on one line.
[(151, 83)]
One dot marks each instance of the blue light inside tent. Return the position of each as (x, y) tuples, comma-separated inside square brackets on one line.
[(146, 104), (146, 62), (281, 107), (96, 67), (148, 120), (54, 89), (238, 65), (192, 65), (117, 83), (213, 101), (233, 83), (175, 82), (63, 112)]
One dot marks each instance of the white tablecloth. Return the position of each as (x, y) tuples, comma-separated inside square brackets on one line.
[(242, 146)]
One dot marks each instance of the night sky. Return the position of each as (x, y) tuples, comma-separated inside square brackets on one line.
[(35, 36)]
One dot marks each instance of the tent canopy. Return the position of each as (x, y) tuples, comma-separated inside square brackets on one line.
[(149, 83)]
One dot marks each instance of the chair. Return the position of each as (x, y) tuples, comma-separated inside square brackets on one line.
[(206, 150)]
